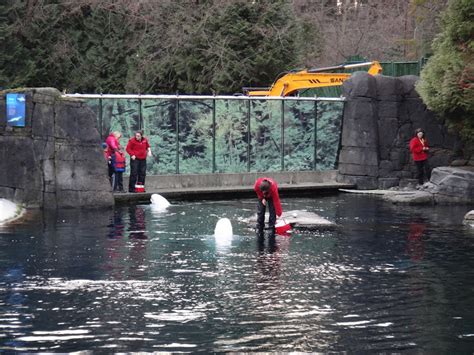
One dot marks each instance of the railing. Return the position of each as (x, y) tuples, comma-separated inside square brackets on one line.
[(226, 134)]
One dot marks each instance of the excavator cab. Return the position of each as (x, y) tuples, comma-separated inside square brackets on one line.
[(290, 83)]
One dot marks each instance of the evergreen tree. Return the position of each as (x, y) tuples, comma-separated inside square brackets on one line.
[(447, 81), (221, 47)]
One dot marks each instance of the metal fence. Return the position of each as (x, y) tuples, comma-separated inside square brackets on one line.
[(388, 69), (226, 134), (403, 68)]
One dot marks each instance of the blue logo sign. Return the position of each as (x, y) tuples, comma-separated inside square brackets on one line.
[(16, 108)]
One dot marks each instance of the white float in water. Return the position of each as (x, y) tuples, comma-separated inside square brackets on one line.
[(223, 232), (159, 203)]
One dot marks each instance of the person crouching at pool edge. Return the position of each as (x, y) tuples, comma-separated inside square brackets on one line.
[(267, 193)]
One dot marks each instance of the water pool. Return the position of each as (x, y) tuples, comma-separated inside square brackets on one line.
[(133, 279)]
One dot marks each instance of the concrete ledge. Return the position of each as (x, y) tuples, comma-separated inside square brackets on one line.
[(231, 192), (179, 181)]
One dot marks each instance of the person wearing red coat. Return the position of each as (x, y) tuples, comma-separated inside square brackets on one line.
[(267, 194), (138, 148), (419, 150), (113, 148)]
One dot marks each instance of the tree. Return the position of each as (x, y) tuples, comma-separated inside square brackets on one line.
[(427, 15), (447, 81), (226, 45)]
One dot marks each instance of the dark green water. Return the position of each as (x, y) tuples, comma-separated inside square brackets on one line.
[(389, 279)]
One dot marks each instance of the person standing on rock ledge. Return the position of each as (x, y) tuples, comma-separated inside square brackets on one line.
[(138, 148), (419, 150), (116, 161), (267, 193)]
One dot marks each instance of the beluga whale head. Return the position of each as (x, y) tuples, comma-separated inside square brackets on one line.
[(223, 232), (159, 203)]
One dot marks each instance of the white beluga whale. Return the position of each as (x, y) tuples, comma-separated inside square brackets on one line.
[(223, 232), (159, 203)]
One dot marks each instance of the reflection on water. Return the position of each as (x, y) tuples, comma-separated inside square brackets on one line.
[(415, 240), (389, 279)]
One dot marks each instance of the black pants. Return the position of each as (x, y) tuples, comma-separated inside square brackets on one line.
[(261, 209), (423, 171), (137, 173), (117, 181), (111, 173)]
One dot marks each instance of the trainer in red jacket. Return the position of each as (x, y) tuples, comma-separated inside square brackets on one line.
[(138, 148), (419, 150), (267, 193)]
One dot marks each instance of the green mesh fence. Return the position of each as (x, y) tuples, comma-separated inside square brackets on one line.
[(194, 135), (388, 68)]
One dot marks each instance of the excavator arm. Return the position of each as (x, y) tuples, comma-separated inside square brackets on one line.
[(312, 78)]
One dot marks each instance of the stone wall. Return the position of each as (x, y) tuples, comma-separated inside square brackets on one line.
[(56, 159), (380, 117)]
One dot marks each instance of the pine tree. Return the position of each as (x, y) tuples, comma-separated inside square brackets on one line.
[(447, 81)]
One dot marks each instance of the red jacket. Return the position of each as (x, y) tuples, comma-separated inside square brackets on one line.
[(112, 144), (138, 148), (273, 193), (416, 148)]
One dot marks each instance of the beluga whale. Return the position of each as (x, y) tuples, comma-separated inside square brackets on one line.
[(223, 232), (159, 203)]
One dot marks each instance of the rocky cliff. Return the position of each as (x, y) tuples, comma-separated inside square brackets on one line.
[(56, 159), (380, 117)]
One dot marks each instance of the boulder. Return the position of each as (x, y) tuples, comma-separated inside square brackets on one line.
[(360, 84), (452, 184), (448, 185), (386, 183), (389, 88), (408, 85)]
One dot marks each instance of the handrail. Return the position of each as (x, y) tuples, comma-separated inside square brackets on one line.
[(199, 97)]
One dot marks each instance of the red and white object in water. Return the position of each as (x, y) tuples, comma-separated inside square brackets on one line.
[(282, 227)]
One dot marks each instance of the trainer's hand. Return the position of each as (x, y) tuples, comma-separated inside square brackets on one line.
[(264, 202), (133, 157)]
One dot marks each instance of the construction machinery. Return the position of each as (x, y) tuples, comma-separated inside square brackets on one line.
[(290, 83)]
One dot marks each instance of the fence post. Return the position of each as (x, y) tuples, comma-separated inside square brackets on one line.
[(140, 117), (214, 135), (282, 149), (100, 118), (315, 160), (177, 135), (248, 135)]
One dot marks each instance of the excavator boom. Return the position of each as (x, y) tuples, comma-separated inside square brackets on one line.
[(312, 78)]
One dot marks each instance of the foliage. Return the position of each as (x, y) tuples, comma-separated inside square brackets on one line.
[(447, 81), (147, 47), (197, 47)]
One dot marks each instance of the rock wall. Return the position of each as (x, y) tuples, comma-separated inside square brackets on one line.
[(56, 159), (380, 117)]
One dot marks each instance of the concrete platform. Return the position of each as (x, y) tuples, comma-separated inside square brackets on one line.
[(300, 219), (230, 192)]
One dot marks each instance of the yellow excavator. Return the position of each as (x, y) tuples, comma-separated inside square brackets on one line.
[(290, 83)]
